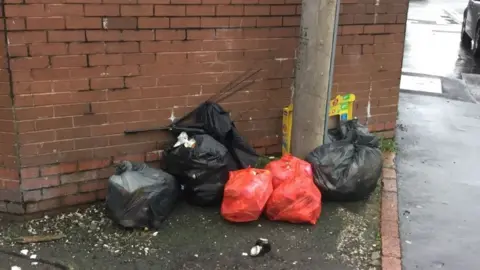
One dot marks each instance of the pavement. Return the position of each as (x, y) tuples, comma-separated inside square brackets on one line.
[(437, 185), (345, 238), (437, 136)]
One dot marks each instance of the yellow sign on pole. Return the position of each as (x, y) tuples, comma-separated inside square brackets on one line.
[(342, 106), (287, 128)]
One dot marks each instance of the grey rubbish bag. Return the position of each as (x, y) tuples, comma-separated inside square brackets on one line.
[(140, 196), (348, 168)]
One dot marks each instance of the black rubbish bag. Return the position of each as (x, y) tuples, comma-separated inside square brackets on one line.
[(140, 196), (202, 169), (348, 168), (351, 128), (210, 118)]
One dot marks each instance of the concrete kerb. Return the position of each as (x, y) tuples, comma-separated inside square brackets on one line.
[(391, 251)]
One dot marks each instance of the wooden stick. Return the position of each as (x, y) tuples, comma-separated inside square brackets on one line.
[(39, 238)]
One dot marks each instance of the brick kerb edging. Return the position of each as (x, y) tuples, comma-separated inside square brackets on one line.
[(391, 252)]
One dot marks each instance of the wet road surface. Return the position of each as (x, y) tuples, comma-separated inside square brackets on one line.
[(438, 147), (434, 62), (432, 39)]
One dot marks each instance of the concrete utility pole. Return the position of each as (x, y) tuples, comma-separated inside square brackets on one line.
[(313, 74)]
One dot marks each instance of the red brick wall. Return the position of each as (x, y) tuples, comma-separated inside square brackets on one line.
[(9, 178), (83, 71), (368, 59)]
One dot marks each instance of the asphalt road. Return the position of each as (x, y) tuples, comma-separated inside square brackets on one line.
[(432, 39), (432, 48), (437, 137)]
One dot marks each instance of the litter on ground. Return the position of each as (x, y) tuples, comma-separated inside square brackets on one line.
[(212, 167)]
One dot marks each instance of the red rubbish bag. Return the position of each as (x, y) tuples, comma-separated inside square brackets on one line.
[(296, 200), (287, 168), (245, 195)]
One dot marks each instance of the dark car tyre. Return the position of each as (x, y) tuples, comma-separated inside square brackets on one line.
[(476, 43), (466, 40)]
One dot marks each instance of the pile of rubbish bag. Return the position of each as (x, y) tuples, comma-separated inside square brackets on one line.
[(250, 191), (212, 165), (197, 169)]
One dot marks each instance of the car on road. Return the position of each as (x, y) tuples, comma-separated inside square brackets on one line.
[(471, 27)]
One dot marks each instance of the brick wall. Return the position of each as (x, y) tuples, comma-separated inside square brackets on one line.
[(83, 71), (10, 194), (368, 59)]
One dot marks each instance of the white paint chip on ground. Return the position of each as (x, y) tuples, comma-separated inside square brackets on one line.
[(16, 268), (421, 84), (24, 252)]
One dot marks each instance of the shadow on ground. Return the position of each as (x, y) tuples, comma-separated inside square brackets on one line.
[(346, 237)]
